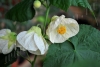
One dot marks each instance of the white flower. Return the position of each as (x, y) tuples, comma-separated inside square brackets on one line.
[(7, 41), (61, 29), (32, 41)]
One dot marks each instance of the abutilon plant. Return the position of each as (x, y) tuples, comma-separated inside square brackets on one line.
[(62, 40)]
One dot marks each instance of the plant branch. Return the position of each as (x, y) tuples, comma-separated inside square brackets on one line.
[(33, 62), (46, 18), (43, 3)]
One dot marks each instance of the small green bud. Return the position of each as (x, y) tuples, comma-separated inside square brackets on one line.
[(54, 18), (37, 3)]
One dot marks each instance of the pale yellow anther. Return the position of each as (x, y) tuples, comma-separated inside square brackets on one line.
[(61, 29)]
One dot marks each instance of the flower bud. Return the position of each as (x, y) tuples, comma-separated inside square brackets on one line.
[(37, 3)]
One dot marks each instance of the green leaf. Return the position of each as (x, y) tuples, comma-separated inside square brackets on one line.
[(8, 59), (65, 4), (85, 4), (82, 47), (21, 12), (90, 63)]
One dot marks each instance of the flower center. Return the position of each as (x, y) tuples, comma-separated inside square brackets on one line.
[(61, 29)]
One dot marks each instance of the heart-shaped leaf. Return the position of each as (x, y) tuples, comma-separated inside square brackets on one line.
[(65, 4)]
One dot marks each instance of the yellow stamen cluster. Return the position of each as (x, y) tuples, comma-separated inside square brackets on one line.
[(61, 29)]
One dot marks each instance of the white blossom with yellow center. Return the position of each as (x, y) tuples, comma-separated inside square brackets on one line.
[(60, 29), (33, 41)]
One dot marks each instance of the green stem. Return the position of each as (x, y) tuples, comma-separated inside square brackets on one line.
[(33, 62), (28, 55), (43, 3), (46, 18)]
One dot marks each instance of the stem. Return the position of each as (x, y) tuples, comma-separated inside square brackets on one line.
[(23, 57), (33, 62), (43, 3), (46, 18), (28, 55)]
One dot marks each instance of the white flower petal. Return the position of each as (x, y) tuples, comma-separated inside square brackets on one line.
[(46, 45), (29, 42), (4, 32), (21, 39), (72, 27), (4, 47), (52, 36), (2, 44), (59, 39), (37, 52), (39, 43), (6, 50), (20, 46)]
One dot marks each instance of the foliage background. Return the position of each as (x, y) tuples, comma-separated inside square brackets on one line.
[(74, 12)]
